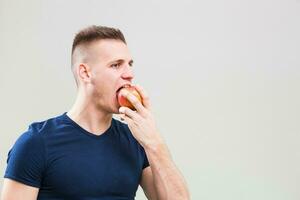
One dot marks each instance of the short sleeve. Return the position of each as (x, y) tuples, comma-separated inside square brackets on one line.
[(26, 159)]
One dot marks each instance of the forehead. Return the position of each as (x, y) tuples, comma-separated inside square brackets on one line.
[(108, 50)]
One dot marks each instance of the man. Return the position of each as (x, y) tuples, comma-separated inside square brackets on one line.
[(87, 154)]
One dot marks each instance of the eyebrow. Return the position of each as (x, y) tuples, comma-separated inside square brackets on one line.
[(121, 60)]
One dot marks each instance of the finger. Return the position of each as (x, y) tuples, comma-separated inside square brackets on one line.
[(144, 95), (134, 101), (122, 116), (127, 112), (127, 120)]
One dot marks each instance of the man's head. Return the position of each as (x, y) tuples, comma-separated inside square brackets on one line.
[(81, 51), (101, 64)]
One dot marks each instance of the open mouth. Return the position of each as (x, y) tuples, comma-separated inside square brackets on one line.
[(124, 86)]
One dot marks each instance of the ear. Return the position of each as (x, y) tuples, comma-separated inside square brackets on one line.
[(84, 72)]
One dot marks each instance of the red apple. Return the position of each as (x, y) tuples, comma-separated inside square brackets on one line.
[(123, 101)]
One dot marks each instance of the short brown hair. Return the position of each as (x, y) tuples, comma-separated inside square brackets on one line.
[(91, 34)]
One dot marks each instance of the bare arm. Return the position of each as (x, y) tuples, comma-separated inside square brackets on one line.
[(13, 190), (163, 180), (147, 183)]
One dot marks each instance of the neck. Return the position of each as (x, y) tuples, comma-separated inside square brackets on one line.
[(88, 116)]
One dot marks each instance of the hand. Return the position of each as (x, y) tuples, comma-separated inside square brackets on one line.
[(141, 122)]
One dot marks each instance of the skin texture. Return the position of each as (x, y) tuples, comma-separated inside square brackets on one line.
[(13, 190), (100, 70), (163, 174)]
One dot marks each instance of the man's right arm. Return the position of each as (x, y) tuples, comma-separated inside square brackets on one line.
[(25, 166), (13, 190)]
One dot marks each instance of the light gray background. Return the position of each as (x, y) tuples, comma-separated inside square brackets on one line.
[(223, 77)]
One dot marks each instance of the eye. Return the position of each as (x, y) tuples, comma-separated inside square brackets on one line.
[(116, 65), (131, 63)]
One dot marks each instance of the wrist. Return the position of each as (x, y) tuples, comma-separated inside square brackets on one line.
[(157, 148)]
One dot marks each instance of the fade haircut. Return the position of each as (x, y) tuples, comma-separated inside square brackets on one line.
[(87, 36)]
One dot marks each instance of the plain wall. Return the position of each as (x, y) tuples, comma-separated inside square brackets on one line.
[(223, 77)]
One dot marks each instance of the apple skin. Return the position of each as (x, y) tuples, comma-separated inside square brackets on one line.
[(123, 101)]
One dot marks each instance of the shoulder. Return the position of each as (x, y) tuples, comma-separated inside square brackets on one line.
[(41, 127), (27, 159), (35, 132)]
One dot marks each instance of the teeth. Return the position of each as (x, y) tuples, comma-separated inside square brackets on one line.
[(124, 86)]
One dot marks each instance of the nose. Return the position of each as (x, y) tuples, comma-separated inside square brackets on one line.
[(127, 73)]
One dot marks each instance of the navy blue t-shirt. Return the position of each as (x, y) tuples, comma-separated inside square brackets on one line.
[(65, 161)]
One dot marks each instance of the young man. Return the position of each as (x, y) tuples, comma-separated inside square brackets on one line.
[(87, 154)]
